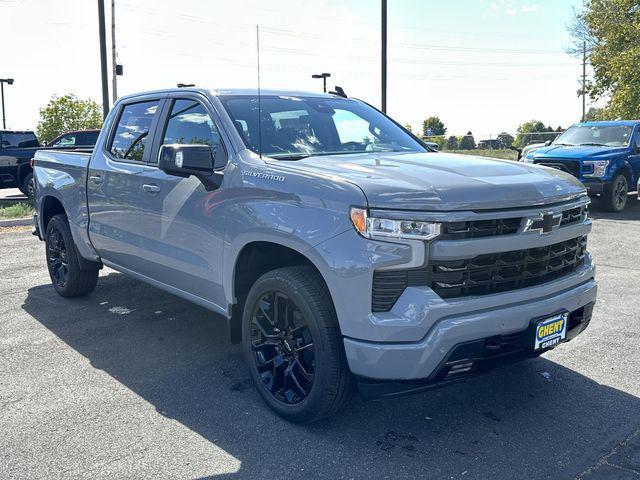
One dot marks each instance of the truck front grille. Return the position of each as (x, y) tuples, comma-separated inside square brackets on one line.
[(569, 166), (482, 275), (500, 226)]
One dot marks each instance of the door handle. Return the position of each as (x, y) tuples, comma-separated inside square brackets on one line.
[(151, 188), (96, 179)]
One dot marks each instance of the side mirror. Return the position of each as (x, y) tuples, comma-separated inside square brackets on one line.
[(186, 160)]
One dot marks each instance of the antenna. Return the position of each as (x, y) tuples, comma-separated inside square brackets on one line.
[(259, 93)]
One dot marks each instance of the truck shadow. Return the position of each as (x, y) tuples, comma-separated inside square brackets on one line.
[(537, 419), (631, 212)]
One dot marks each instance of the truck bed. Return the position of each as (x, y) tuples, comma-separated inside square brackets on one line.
[(62, 174)]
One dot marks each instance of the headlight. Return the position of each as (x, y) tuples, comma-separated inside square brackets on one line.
[(375, 227), (599, 168), (527, 159)]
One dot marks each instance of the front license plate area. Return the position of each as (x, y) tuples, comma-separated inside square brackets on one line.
[(550, 331)]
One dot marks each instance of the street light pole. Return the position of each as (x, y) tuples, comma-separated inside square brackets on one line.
[(324, 77), (8, 81)]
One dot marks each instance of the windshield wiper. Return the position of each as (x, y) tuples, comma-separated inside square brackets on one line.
[(590, 144)]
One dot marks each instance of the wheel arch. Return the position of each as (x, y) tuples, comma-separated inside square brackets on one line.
[(254, 260), (23, 170), (50, 206)]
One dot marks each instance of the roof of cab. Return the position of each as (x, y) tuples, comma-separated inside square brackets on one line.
[(234, 92)]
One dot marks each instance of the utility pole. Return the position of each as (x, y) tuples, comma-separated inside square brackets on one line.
[(383, 83), (8, 81), (584, 80), (114, 62), (103, 59)]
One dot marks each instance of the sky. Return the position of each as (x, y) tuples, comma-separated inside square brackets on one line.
[(480, 65)]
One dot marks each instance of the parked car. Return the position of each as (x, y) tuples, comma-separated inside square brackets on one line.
[(75, 139), (17, 148), (343, 253), (605, 156)]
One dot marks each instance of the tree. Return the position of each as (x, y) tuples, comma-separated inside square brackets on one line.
[(534, 131), (467, 142), (595, 113), (68, 113), (452, 143), (408, 126), (433, 126), (506, 139), (610, 29)]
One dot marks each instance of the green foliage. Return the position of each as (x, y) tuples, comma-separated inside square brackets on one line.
[(68, 113), (441, 141), (611, 29), (506, 139), (435, 124), (452, 143), (408, 126), (17, 210), (467, 142), (491, 153), (534, 131), (597, 114)]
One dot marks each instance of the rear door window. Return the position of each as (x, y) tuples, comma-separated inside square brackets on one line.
[(87, 139), (130, 138), (18, 140)]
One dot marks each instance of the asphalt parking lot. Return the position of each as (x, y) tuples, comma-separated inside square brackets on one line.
[(132, 382)]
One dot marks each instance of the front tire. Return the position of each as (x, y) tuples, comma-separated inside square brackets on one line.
[(67, 277), (293, 346), (615, 196)]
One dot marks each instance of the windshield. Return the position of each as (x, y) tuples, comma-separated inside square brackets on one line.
[(598, 135), (296, 127)]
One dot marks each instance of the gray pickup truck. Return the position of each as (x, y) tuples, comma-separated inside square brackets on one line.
[(344, 254)]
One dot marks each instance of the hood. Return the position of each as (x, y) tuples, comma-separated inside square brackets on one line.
[(578, 152), (440, 181)]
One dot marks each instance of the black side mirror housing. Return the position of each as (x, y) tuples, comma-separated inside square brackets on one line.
[(186, 160)]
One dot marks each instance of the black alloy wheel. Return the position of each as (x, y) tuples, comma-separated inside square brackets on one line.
[(620, 192), (57, 258), (283, 348)]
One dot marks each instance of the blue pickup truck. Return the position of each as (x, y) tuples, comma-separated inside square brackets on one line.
[(605, 156)]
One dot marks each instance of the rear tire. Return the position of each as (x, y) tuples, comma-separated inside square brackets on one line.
[(62, 261), (616, 195), (28, 186), (293, 345)]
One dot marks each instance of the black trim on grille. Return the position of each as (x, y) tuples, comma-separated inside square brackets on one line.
[(482, 275), (500, 226)]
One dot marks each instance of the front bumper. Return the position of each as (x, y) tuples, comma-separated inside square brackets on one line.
[(596, 186), (420, 360), (470, 359)]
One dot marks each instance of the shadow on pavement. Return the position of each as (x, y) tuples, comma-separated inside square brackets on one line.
[(536, 419), (631, 212)]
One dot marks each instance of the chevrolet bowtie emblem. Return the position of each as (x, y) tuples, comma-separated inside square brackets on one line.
[(544, 222)]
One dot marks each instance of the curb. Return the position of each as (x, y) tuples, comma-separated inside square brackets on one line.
[(16, 222)]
